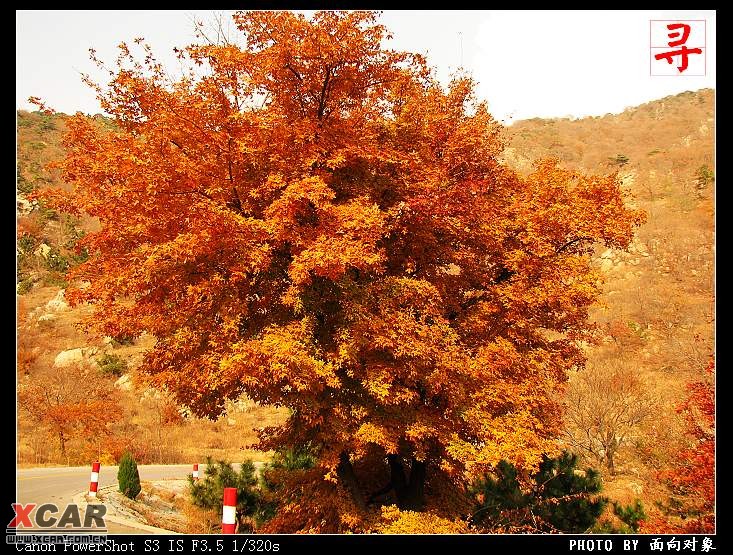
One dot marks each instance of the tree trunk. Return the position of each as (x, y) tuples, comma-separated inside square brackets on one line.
[(397, 477), (410, 495), (609, 463), (414, 498), (345, 472)]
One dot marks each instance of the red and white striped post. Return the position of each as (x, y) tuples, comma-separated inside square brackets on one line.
[(196, 472), (94, 480), (229, 513)]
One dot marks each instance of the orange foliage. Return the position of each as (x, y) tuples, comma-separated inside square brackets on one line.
[(73, 403), (25, 354), (410, 522), (30, 225), (693, 472), (317, 223)]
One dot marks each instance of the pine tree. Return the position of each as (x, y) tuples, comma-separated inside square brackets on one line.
[(209, 492), (631, 515), (128, 476), (556, 497)]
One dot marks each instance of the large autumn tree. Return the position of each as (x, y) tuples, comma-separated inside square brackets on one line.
[(312, 220)]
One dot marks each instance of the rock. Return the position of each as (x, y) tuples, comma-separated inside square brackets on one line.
[(636, 487), (641, 248), (231, 421), (606, 265), (58, 303), (24, 206), (43, 250), (107, 340), (627, 178), (124, 382), (47, 318), (69, 358)]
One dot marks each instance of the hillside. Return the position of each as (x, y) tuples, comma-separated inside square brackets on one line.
[(655, 323), (658, 320), (55, 352)]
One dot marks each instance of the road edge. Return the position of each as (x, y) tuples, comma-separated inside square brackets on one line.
[(81, 500)]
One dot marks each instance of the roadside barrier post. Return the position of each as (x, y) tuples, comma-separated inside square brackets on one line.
[(229, 514), (94, 481)]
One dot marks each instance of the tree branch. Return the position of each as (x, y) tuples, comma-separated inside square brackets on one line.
[(288, 66), (571, 242), (324, 90)]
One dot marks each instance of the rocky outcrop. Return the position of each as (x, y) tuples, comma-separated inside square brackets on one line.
[(69, 357), (42, 251), (58, 303)]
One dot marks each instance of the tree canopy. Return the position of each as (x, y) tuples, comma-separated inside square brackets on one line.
[(312, 220)]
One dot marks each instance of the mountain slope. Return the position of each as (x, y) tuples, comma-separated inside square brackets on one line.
[(655, 321)]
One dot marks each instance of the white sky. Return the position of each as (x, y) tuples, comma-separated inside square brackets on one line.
[(528, 63)]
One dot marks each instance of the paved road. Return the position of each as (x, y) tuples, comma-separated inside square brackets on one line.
[(59, 484)]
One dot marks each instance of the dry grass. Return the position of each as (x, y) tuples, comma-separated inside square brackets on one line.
[(199, 520), (229, 438)]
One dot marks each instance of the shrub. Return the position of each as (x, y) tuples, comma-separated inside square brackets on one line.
[(23, 119), (80, 257), (55, 261), (556, 495), (122, 339), (55, 279), (25, 285), (111, 365), (45, 213), (300, 458), (619, 160), (23, 185), (47, 123), (631, 517), (128, 476), (704, 176), (27, 242)]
